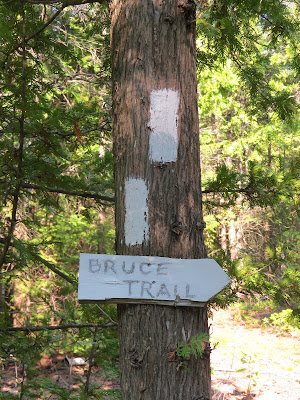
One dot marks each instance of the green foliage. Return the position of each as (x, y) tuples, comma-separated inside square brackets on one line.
[(195, 347), (44, 388), (287, 320), (250, 175), (251, 368), (248, 33), (110, 395), (55, 146)]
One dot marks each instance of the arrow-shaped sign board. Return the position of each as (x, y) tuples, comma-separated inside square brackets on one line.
[(152, 280)]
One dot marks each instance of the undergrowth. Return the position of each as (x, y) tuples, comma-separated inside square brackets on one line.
[(266, 314)]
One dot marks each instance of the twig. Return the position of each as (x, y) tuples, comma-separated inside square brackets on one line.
[(7, 2), (22, 137), (91, 195), (23, 380), (25, 40), (265, 18), (91, 363), (45, 25), (243, 190), (104, 313), (56, 327), (65, 382), (61, 274), (84, 132), (47, 264), (16, 373), (66, 3)]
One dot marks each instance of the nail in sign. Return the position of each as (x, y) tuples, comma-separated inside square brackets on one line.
[(152, 280)]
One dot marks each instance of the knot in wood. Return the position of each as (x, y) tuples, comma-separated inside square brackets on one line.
[(207, 349), (200, 225), (169, 19), (177, 228), (134, 359), (187, 5)]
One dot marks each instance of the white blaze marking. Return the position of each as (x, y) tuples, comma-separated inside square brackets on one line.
[(163, 124), (136, 211)]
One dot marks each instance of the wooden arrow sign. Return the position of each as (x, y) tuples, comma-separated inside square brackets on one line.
[(154, 280)]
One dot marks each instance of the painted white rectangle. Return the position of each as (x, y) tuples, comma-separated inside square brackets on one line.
[(163, 142), (156, 280), (136, 211)]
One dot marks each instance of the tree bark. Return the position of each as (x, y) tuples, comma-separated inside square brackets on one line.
[(158, 190)]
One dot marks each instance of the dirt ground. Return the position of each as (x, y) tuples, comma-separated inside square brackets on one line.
[(270, 362), (247, 363)]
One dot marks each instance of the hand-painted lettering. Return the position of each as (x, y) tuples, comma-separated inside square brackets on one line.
[(145, 287), (163, 291), (162, 270), (144, 270), (187, 292), (175, 291), (130, 286), (128, 271), (94, 265), (109, 264)]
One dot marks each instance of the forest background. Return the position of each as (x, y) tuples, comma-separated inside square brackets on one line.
[(56, 167)]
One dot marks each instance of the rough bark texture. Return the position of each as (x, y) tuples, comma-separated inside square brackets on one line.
[(153, 48)]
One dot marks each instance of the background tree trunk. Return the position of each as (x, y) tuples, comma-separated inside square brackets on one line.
[(158, 195)]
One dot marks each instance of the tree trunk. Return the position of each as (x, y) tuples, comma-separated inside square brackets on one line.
[(158, 191)]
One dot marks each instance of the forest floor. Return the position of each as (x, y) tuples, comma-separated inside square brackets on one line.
[(247, 363)]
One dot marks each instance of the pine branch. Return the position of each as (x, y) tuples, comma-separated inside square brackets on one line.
[(105, 127), (263, 16), (245, 191), (65, 3), (48, 265), (25, 40), (61, 274), (16, 194), (56, 327), (54, 16), (241, 67), (91, 195)]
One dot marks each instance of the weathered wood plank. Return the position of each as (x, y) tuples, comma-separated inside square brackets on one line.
[(152, 280)]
